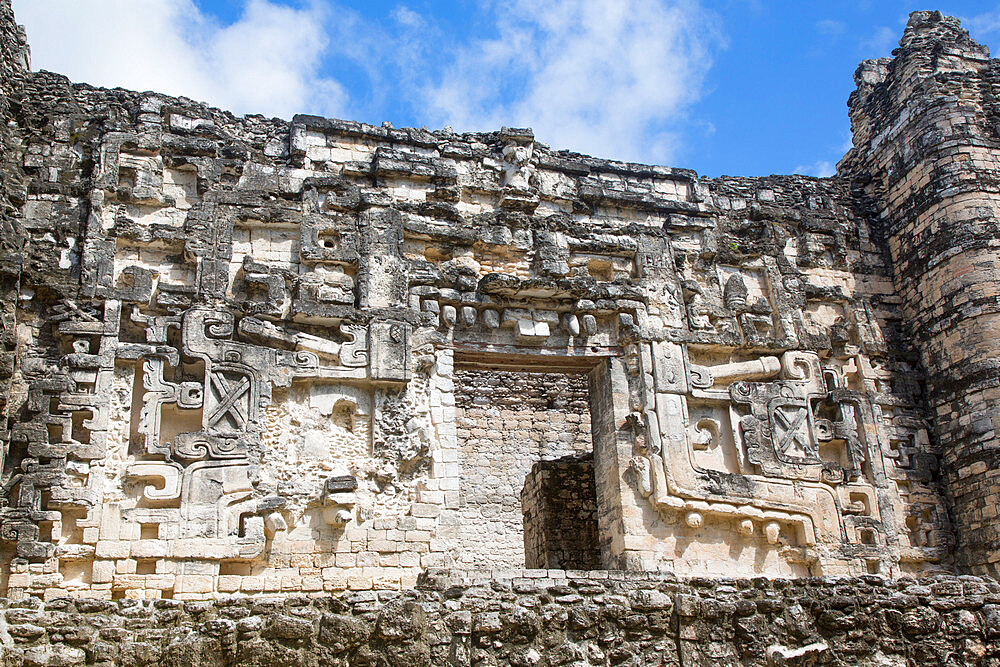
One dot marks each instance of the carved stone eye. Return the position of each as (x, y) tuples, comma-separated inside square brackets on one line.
[(738, 389)]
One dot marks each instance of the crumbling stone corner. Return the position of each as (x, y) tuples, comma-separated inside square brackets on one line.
[(927, 157)]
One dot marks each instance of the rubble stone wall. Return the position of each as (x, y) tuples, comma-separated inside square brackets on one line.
[(534, 617), (13, 64), (559, 503)]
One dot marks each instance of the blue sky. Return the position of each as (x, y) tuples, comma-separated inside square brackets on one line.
[(739, 87)]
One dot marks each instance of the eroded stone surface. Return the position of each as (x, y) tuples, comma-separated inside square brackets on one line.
[(248, 356), (532, 618), (926, 156)]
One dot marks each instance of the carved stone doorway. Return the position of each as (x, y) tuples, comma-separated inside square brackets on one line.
[(524, 427)]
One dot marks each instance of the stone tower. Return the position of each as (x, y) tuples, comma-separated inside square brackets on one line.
[(926, 128), (13, 64)]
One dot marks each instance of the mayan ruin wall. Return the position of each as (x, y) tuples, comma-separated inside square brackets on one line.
[(321, 392)]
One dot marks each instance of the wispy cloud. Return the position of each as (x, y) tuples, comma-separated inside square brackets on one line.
[(267, 62), (848, 142), (608, 77), (983, 24), (820, 169), (879, 43), (831, 27), (407, 17)]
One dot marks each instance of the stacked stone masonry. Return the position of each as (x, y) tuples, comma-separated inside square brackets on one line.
[(559, 502), (533, 617), (247, 356), (13, 65), (926, 158)]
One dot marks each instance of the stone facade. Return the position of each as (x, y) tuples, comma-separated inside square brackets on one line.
[(251, 356), (13, 65)]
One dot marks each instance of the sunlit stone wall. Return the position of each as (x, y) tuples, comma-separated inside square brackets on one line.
[(249, 355)]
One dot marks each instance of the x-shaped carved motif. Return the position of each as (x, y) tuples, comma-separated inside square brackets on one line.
[(792, 434), (229, 397)]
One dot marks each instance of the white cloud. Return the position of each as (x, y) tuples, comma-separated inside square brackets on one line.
[(880, 43), (388, 59), (613, 78), (606, 77), (820, 169), (831, 27), (405, 16), (983, 24), (266, 62)]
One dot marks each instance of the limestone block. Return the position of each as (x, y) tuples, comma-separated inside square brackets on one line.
[(389, 351)]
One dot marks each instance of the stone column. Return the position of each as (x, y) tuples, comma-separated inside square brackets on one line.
[(926, 156)]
